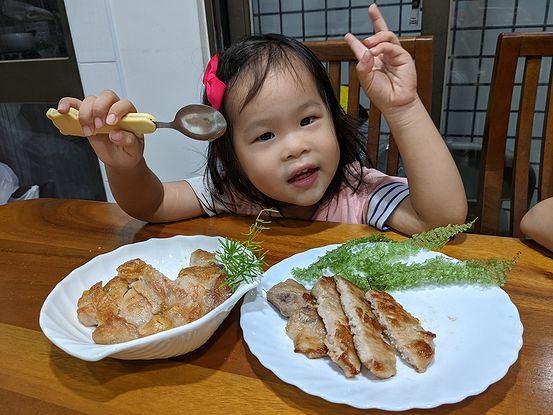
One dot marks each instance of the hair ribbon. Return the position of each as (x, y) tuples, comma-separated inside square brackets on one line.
[(214, 87)]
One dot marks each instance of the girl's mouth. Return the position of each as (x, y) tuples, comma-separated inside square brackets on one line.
[(304, 177)]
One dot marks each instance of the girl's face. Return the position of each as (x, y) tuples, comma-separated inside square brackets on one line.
[(285, 140)]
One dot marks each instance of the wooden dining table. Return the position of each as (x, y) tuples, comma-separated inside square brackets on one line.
[(43, 240)]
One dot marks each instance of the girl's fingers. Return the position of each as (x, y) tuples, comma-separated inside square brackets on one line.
[(68, 102), (379, 23), (123, 138), (118, 110), (393, 54), (86, 115), (381, 37), (102, 107), (97, 111), (357, 47)]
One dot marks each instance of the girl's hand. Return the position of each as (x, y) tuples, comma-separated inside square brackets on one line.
[(386, 71), (118, 149)]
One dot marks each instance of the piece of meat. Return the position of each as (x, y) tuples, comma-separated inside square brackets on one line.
[(86, 305), (202, 287), (414, 344), (130, 270), (202, 258), (156, 324), (96, 306), (147, 291), (116, 288), (304, 326), (135, 308), (338, 340), (145, 280), (307, 331), (179, 314), (373, 351), (140, 300), (289, 296), (115, 330)]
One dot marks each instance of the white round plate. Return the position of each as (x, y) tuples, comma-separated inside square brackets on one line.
[(478, 337), (58, 316)]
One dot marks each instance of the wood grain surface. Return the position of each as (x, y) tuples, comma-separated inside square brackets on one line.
[(42, 240)]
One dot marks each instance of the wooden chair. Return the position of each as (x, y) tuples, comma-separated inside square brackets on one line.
[(334, 52), (533, 47)]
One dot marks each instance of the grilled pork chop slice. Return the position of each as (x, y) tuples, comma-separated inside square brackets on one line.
[(338, 340), (405, 332), (289, 296), (374, 352), (307, 331), (304, 325)]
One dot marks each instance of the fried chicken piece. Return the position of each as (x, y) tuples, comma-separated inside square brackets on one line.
[(86, 305), (414, 344), (116, 288), (146, 291), (156, 324), (115, 330), (179, 314), (374, 352), (96, 306), (140, 300), (200, 287), (145, 280), (202, 258), (338, 340), (135, 308)]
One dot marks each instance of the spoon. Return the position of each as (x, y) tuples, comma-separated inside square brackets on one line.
[(197, 121)]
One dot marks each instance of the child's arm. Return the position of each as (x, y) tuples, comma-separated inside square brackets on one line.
[(387, 74), (537, 223), (135, 187)]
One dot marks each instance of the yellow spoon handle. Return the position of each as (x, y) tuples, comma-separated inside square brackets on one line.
[(136, 122)]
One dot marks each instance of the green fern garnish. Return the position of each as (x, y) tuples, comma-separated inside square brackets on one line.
[(377, 262), (438, 237), (244, 261)]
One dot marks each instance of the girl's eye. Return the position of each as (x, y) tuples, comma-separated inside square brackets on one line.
[(306, 121), (265, 136)]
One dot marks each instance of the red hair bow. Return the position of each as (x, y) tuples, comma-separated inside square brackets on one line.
[(214, 87)]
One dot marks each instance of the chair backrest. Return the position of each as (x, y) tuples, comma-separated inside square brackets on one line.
[(533, 47), (334, 52)]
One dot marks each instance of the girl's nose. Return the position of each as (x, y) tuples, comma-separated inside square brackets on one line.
[(295, 145)]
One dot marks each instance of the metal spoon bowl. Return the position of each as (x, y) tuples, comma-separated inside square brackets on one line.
[(197, 121)]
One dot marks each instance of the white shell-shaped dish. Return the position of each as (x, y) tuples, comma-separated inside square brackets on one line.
[(58, 316)]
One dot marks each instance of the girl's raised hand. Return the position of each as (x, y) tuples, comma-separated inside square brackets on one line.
[(118, 149), (386, 71)]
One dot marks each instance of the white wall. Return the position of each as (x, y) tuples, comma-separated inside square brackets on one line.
[(152, 53)]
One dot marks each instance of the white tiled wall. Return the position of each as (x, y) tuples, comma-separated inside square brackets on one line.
[(153, 54)]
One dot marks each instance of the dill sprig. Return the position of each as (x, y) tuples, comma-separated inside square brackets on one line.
[(244, 261), (379, 263)]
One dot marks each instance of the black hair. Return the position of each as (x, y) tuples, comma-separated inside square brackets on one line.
[(257, 55)]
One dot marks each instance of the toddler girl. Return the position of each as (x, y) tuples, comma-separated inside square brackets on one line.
[(289, 144)]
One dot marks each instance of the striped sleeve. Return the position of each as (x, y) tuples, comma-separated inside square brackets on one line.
[(384, 201)]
